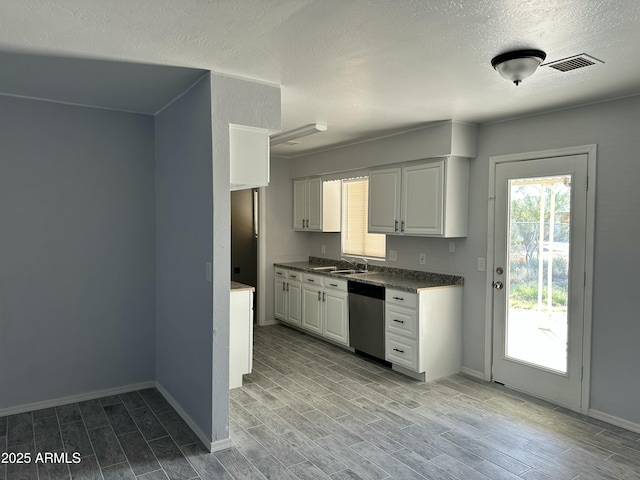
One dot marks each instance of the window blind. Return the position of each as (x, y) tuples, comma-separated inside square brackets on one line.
[(355, 238)]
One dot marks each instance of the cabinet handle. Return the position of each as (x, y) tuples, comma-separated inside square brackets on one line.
[(396, 226), (333, 284), (398, 350), (287, 287), (402, 226), (319, 296), (311, 280), (399, 298), (294, 276), (284, 287), (324, 296), (307, 223), (399, 321)]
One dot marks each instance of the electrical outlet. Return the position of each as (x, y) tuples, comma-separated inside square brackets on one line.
[(393, 256), (452, 247), (323, 248), (423, 258), (481, 264)]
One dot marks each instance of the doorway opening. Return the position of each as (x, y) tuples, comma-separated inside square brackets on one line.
[(244, 239), (539, 280)]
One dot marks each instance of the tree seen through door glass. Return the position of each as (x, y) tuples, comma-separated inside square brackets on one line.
[(538, 271)]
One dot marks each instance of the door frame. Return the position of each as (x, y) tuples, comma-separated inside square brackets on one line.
[(590, 151)]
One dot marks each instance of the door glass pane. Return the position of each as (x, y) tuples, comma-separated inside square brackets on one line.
[(538, 271)]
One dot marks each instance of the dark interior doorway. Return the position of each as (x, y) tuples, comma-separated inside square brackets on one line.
[(244, 239)]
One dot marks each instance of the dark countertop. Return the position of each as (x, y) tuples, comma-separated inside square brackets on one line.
[(397, 278)]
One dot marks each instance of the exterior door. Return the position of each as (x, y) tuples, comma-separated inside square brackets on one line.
[(539, 276)]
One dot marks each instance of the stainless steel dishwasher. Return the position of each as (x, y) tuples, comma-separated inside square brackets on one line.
[(366, 318)]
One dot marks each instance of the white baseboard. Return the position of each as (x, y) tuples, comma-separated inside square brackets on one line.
[(472, 373), (57, 402), (221, 445), (619, 422), (208, 444)]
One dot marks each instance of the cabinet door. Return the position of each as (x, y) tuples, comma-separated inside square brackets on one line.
[(294, 306), (314, 204), (384, 200), (311, 309), (422, 199), (280, 301), (336, 317), (299, 204)]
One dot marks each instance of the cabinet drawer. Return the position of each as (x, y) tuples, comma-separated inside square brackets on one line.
[(281, 273), (401, 351), (401, 321), (294, 275), (312, 279), (398, 297), (334, 284)]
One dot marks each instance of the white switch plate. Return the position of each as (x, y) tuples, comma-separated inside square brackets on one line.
[(452, 247), (481, 264), (393, 256), (423, 258), (323, 248)]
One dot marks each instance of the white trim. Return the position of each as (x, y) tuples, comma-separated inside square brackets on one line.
[(220, 445), (472, 373), (57, 402), (590, 151), (261, 287), (613, 420), (188, 420)]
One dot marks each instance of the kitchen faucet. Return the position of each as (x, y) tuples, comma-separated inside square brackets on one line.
[(350, 261), (353, 262)]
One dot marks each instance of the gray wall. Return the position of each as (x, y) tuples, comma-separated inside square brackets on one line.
[(283, 244), (77, 299), (243, 103), (616, 329), (184, 232), (613, 126)]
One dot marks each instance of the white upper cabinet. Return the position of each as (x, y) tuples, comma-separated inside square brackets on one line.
[(422, 199), (316, 205), (426, 198), (248, 156), (384, 200)]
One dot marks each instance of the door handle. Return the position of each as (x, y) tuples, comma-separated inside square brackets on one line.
[(396, 226), (498, 285)]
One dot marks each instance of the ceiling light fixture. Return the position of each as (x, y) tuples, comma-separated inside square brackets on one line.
[(285, 137), (517, 65)]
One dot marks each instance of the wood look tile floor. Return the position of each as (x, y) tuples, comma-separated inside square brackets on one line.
[(311, 410)]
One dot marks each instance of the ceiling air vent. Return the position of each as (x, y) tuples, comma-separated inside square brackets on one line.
[(573, 63)]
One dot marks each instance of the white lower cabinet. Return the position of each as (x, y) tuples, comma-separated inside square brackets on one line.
[(324, 307), (423, 331), (336, 310), (287, 299)]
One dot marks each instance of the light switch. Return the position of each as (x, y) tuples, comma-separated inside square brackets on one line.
[(481, 264), (393, 256), (423, 258)]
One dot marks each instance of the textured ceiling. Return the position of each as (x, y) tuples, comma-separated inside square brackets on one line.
[(364, 67)]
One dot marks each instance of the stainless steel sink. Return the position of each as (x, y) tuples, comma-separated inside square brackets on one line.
[(324, 269), (348, 272)]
